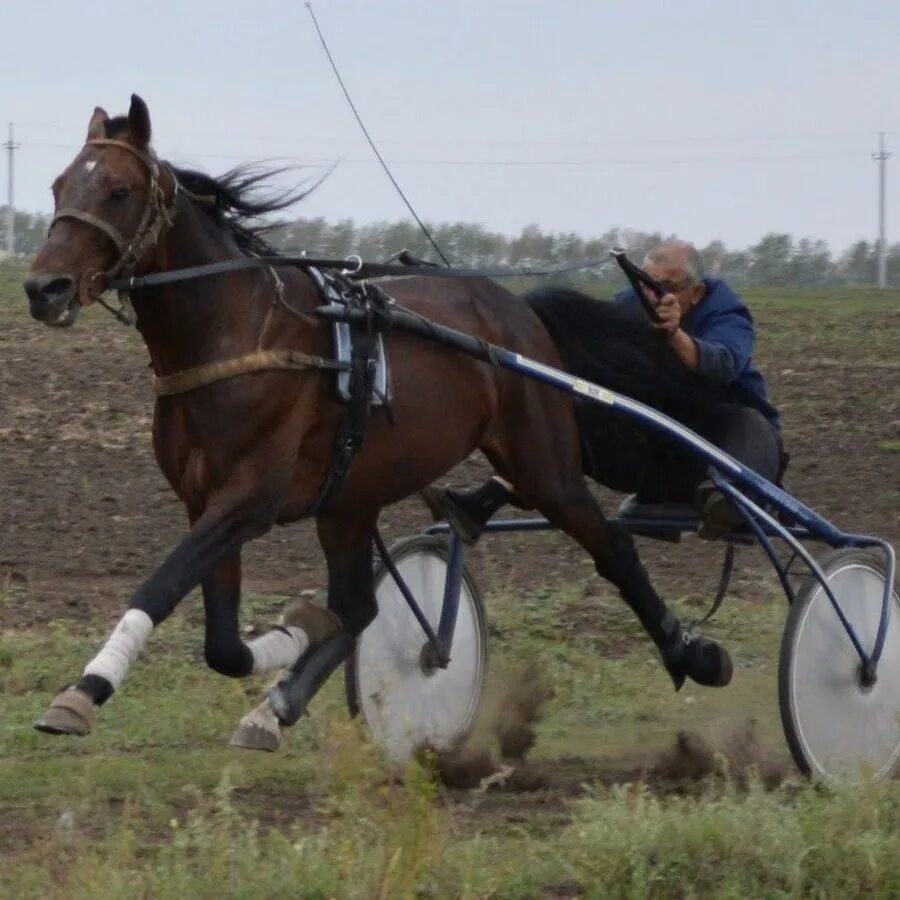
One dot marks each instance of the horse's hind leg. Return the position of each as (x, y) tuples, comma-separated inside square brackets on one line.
[(543, 460), (616, 559)]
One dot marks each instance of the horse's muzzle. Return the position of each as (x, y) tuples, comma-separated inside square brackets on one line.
[(52, 299)]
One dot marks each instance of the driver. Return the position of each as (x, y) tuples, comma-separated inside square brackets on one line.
[(711, 332)]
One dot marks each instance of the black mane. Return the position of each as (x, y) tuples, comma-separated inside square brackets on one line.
[(236, 200)]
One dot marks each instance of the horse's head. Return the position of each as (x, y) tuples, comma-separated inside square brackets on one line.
[(111, 208)]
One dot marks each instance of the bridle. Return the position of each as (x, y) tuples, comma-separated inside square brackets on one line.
[(157, 217)]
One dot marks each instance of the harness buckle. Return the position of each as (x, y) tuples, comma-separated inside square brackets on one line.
[(358, 264)]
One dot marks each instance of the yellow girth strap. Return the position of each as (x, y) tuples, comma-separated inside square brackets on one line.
[(260, 361)]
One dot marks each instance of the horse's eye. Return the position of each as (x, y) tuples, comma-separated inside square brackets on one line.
[(119, 193)]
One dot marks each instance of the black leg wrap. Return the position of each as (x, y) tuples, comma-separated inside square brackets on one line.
[(291, 696), (235, 661), (96, 687), (684, 655), (698, 658)]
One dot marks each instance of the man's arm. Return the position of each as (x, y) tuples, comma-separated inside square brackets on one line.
[(724, 348), (685, 348)]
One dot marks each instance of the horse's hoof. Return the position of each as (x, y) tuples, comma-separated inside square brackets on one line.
[(700, 659), (71, 712), (258, 730)]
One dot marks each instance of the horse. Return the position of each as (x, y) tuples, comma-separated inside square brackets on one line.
[(250, 446)]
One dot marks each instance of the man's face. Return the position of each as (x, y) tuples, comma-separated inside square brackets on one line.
[(676, 281)]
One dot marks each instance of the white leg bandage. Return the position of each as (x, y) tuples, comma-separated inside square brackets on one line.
[(279, 649), (122, 648)]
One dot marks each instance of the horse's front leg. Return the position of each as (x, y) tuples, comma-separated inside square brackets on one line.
[(216, 537), (277, 649), (332, 633)]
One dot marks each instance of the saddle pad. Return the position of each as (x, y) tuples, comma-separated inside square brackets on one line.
[(381, 390)]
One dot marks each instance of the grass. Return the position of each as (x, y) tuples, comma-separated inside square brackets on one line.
[(11, 293), (154, 803)]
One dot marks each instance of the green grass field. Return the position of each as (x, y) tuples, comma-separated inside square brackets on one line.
[(154, 804)]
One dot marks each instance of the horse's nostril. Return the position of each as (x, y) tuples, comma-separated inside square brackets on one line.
[(33, 288), (58, 287), (48, 288)]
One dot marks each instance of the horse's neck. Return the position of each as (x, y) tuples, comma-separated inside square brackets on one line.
[(202, 320)]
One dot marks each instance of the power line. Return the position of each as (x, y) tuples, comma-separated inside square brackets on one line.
[(491, 163), (649, 140)]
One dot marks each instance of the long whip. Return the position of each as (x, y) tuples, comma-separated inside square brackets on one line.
[(379, 157)]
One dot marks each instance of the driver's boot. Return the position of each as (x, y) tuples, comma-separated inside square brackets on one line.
[(467, 512)]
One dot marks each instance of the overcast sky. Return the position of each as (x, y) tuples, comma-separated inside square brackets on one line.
[(706, 119)]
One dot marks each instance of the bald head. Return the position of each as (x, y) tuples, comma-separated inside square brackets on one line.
[(677, 256)]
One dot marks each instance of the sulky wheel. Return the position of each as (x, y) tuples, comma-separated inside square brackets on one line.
[(835, 724), (406, 702)]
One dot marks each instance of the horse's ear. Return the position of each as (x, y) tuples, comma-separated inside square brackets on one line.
[(139, 121), (97, 125)]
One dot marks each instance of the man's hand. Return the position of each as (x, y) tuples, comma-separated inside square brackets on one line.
[(669, 312)]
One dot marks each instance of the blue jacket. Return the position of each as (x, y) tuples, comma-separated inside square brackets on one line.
[(722, 328)]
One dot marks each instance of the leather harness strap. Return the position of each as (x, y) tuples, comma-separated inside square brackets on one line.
[(113, 233), (372, 303), (353, 268), (260, 361)]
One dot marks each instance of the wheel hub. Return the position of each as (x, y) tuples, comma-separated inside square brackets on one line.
[(429, 659)]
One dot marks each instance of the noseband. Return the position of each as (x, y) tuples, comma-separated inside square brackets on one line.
[(156, 218)]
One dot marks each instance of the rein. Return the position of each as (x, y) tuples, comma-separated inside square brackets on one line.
[(352, 267)]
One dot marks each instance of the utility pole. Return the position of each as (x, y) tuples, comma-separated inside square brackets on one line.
[(882, 157), (11, 147)]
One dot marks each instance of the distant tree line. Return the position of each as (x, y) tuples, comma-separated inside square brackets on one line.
[(776, 259)]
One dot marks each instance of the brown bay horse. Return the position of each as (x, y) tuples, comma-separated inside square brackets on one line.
[(252, 448)]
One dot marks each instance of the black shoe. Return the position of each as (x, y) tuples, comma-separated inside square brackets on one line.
[(468, 512), (697, 658), (466, 519), (718, 515)]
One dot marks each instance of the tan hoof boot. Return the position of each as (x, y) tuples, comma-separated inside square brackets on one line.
[(258, 730), (71, 712), (318, 623)]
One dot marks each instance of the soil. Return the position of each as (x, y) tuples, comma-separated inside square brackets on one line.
[(85, 514)]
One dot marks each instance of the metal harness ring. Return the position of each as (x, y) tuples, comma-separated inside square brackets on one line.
[(358, 264)]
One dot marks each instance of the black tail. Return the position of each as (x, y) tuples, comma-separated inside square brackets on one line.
[(616, 347)]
